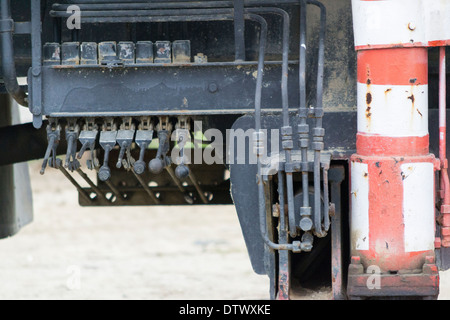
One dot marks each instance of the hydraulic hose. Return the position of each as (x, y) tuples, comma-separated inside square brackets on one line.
[(8, 64)]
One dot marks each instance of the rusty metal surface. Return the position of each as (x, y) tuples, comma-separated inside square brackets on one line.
[(424, 284)]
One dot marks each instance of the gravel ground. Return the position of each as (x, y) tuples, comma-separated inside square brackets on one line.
[(180, 253)]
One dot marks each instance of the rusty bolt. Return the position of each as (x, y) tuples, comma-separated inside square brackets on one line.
[(412, 26)]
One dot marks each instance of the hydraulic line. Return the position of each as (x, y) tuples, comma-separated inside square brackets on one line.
[(8, 64), (296, 245), (319, 131), (287, 129), (303, 127)]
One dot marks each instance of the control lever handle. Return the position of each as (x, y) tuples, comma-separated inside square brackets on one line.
[(107, 142), (87, 138), (53, 138), (143, 140), (124, 139), (182, 171), (161, 160), (71, 136)]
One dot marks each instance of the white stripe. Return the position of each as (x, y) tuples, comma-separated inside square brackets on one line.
[(418, 208), (386, 22), (437, 22), (400, 21), (360, 206), (394, 111)]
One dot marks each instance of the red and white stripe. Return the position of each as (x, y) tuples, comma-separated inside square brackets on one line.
[(392, 173)]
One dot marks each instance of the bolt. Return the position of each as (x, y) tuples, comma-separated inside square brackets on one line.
[(306, 223), (213, 87)]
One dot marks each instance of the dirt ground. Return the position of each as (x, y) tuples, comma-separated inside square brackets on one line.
[(180, 253)]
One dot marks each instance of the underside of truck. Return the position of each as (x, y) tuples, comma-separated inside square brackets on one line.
[(322, 122)]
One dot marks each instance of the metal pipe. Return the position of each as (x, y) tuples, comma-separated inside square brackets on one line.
[(143, 13), (295, 246), (445, 183), (8, 63), (136, 5), (181, 18), (239, 30), (326, 201), (303, 127), (285, 109), (318, 132)]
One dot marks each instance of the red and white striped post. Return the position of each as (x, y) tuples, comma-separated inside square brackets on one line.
[(392, 173)]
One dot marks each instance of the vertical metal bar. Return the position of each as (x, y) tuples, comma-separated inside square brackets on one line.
[(239, 30), (337, 175), (443, 126), (326, 202), (283, 255), (444, 181), (36, 51)]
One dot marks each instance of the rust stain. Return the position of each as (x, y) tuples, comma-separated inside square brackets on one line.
[(369, 100), (420, 113), (413, 99)]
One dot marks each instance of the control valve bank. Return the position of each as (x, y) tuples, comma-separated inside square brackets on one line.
[(322, 122)]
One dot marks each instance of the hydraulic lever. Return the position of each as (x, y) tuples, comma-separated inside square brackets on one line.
[(107, 141), (53, 138), (72, 131), (88, 137), (144, 136), (124, 138)]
